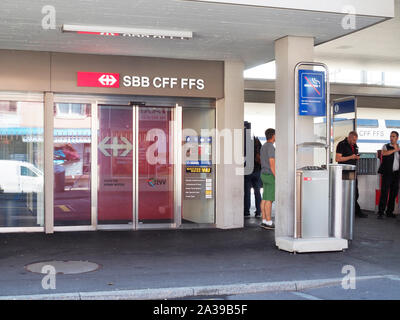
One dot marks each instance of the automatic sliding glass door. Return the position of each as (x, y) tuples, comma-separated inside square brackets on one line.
[(135, 167), (155, 166), (116, 141)]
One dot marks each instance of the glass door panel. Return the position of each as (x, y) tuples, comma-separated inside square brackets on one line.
[(155, 166), (115, 165), (72, 159)]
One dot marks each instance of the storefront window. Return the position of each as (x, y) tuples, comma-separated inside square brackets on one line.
[(21, 164), (72, 170)]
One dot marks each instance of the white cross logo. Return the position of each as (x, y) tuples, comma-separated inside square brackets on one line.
[(107, 80), (115, 146)]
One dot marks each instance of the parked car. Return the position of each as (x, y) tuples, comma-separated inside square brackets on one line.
[(20, 177)]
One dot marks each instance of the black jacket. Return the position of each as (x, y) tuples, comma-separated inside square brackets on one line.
[(344, 148), (386, 166)]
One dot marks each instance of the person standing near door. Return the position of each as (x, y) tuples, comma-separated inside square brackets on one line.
[(253, 180), (268, 178), (389, 169), (347, 153)]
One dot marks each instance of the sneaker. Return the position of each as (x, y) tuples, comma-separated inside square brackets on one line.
[(247, 215), (257, 215), (266, 226), (390, 215), (380, 215)]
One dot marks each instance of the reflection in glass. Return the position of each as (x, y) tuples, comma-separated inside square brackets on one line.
[(21, 164), (72, 172)]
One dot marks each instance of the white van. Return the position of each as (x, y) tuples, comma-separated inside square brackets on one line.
[(20, 177)]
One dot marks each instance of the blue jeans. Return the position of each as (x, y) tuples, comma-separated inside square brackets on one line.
[(252, 181)]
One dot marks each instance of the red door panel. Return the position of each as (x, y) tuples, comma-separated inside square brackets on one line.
[(156, 170)]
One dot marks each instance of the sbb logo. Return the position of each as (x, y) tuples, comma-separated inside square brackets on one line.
[(107, 80), (98, 79), (163, 82)]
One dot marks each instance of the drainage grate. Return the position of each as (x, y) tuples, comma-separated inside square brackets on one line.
[(63, 267)]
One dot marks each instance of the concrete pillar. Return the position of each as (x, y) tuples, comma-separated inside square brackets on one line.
[(230, 115), (288, 52)]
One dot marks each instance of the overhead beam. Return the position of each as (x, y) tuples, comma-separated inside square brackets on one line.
[(263, 91)]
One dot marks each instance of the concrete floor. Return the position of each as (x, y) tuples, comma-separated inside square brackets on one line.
[(179, 258)]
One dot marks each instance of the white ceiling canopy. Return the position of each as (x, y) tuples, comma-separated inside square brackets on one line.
[(377, 46), (220, 31)]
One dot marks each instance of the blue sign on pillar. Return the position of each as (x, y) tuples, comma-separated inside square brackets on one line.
[(346, 106), (312, 93)]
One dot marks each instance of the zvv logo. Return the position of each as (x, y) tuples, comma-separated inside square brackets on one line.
[(154, 182), (107, 80)]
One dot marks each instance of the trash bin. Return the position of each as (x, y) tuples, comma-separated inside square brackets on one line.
[(342, 191)]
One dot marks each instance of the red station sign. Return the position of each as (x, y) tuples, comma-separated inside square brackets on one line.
[(98, 79)]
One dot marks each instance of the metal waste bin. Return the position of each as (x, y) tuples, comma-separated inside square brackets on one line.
[(342, 191)]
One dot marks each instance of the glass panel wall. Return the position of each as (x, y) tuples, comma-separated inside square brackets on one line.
[(21, 164), (198, 172), (72, 159)]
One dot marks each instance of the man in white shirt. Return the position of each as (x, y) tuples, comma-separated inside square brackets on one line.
[(389, 169)]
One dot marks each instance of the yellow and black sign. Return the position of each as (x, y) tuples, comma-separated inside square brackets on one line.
[(198, 169)]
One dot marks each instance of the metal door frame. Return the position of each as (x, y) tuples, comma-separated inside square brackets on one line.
[(133, 224), (176, 127)]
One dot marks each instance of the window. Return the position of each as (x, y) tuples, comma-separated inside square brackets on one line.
[(264, 71), (27, 172), (71, 110), (369, 123), (346, 76), (375, 77), (21, 155), (392, 78), (8, 106), (392, 123)]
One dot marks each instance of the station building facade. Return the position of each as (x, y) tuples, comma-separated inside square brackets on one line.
[(97, 142)]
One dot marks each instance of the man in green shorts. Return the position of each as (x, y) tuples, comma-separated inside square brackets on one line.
[(267, 154)]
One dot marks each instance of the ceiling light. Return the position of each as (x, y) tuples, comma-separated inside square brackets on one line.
[(128, 32)]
